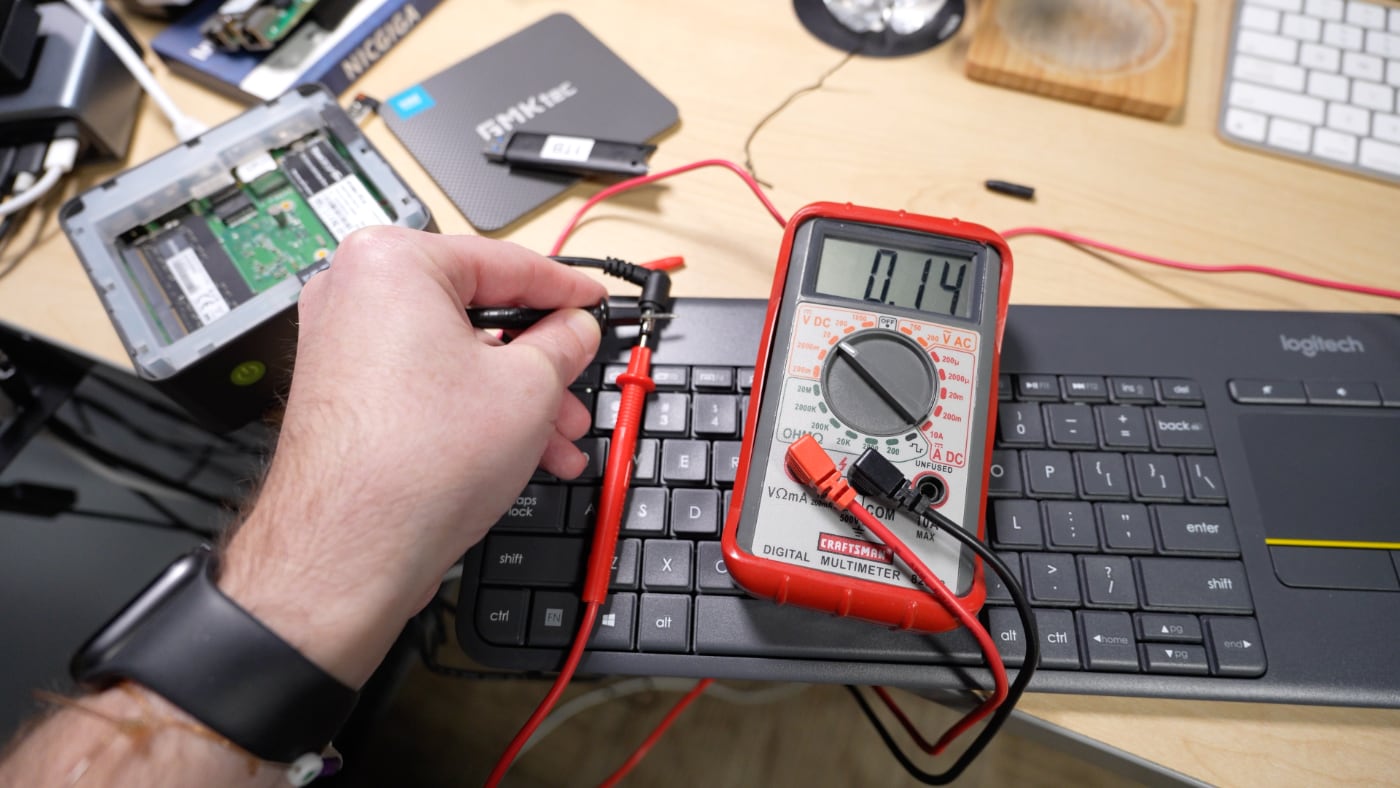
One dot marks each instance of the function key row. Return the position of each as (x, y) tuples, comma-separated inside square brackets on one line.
[(675, 378), (1354, 393), (1097, 388)]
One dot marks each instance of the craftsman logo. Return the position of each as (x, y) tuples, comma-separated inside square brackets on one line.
[(1311, 346), (380, 41), (831, 543), (521, 111)]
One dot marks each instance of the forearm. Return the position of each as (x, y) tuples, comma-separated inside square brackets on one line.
[(129, 736)]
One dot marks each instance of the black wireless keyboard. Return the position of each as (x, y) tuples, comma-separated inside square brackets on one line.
[(1199, 504)]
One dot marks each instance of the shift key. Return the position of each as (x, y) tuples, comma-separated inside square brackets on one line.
[(532, 560), (1194, 585)]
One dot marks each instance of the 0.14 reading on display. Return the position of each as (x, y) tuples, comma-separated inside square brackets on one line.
[(907, 278)]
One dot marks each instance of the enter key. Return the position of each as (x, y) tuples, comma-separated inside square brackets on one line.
[(1196, 530)]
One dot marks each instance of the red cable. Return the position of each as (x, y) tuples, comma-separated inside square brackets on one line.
[(904, 721), (566, 674), (812, 466), (1202, 268), (945, 597), (643, 180), (655, 736)]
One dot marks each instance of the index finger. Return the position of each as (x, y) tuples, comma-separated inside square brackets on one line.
[(498, 273)]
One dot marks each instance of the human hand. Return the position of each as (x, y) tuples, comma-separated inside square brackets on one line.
[(407, 434)]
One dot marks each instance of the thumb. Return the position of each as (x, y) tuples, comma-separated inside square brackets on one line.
[(568, 338)]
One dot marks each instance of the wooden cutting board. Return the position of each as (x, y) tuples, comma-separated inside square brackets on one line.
[(1127, 56)]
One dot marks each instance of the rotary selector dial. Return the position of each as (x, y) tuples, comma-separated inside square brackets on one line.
[(879, 382)]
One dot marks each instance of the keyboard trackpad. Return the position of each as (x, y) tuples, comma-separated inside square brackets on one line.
[(1330, 509)]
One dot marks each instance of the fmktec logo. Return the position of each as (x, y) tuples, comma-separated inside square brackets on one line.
[(1311, 346)]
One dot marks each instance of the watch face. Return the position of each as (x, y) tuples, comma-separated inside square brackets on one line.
[(95, 652)]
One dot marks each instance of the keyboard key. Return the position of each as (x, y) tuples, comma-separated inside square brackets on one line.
[(1004, 625), (745, 376), (1179, 391), (1290, 135), (1196, 530), (647, 461), (583, 510), (1037, 387), (626, 565), (711, 574), (1199, 585), (1268, 392), (1016, 524), (501, 615), (1181, 429), (1071, 525), (1132, 389), (663, 623), (1059, 642), (1156, 477), (539, 507), (605, 409), (1273, 47), (1270, 73), (671, 378), (1004, 389), (611, 373), (1126, 528), (1326, 9), (1050, 473), (666, 565), (1365, 15), (1372, 96), (1084, 388), (1387, 127), (740, 626), (590, 378), (1345, 117), (716, 415), (1004, 474), (1245, 124), (684, 461), (1380, 156), (1071, 426), (596, 450), (1178, 658), (646, 512), (997, 592), (616, 618), (532, 560), (1358, 393), (713, 378), (1320, 57), (1051, 579), (1123, 426), (1293, 6), (1204, 482), (725, 462), (666, 414), (1334, 145), (1258, 18), (1019, 424), (695, 513), (1108, 641), (1235, 646), (1108, 581), (1332, 87), (1103, 475), (1358, 65), (1168, 627), (1303, 28), (553, 620)]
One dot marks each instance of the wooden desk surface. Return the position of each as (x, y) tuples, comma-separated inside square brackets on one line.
[(911, 133)]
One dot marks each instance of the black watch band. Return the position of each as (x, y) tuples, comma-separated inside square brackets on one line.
[(187, 642)]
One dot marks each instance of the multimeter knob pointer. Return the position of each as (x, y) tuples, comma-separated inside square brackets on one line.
[(880, 382)]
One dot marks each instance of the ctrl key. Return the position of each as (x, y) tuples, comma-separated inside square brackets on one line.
[(1235, 646), (501, 614)]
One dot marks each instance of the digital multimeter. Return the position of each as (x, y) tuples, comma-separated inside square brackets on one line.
[(883, 331)]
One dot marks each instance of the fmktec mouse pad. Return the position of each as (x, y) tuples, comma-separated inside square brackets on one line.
[(553, 77)]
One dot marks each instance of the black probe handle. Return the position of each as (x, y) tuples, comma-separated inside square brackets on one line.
[(515, 318)]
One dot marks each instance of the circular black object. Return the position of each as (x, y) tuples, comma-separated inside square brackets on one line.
[(879, 382), (886, 43)]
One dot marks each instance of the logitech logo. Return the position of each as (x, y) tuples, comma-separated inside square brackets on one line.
[(1311, 346), (522, 111)]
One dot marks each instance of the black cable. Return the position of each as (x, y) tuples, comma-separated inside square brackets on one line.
[(748, 142), (173, 517), (874, 475), (65, 433), (146, 521)]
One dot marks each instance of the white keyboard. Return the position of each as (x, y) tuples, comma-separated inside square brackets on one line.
[(1317, 80)]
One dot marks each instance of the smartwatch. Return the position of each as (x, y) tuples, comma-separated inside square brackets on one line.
[(183, 639)]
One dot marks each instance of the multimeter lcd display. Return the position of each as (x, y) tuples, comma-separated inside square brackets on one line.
[(915, 279)]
